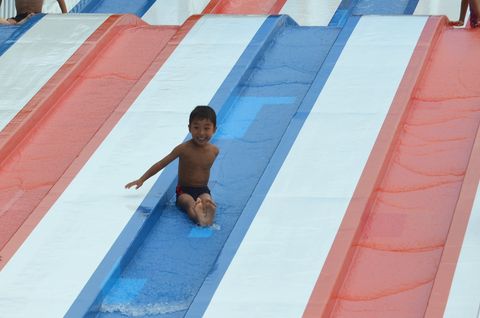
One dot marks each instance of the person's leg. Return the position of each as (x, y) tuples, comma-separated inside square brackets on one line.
[(194, 208), (210, 208), (474, 12)]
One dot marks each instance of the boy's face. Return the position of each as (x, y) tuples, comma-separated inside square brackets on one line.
[(202, 131)]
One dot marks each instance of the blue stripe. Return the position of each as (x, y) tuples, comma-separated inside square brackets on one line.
[(411, 6), (205, 294), (152, 208), (343, 12), (138, 8), (9, 34)]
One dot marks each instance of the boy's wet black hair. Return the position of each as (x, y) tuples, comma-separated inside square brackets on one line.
[(203, 112)]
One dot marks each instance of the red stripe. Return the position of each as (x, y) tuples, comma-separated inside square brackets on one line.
[(337, 268), (86, 98), (243, 7), (42, 102), (277, 7), (211, 6), (462, 49)]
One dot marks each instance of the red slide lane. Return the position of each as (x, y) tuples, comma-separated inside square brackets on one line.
[(244, 7), (466, 72), (341, 253), (401, 233), (78, 118)]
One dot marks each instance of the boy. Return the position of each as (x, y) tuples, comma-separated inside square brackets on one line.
[(196, 157), (474, 13)]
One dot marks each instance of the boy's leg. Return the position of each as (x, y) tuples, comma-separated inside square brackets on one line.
[(194, 209), (209, 206)]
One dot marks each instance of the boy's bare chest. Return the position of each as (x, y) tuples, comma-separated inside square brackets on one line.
[(197, 159)]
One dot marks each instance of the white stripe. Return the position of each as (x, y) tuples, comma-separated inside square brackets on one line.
[(173, 12), (311, 12), (464, 297), (37, 55), (439, 7), (280, 259), (45, 276), (51, 6)]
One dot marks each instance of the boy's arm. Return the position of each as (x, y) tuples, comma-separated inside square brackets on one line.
[(62, 5), (155, 168)]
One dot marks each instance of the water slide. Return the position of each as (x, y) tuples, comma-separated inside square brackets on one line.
[(269, 94), (410, 190), (337, 165)]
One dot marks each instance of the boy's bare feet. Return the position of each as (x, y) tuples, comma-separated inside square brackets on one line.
[(199, 210)]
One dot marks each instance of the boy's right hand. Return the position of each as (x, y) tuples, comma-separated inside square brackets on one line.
[(137, 183)]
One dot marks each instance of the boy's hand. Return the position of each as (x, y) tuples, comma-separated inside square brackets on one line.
[(137, 183)]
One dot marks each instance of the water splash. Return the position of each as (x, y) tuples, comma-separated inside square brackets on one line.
[(139, 310)]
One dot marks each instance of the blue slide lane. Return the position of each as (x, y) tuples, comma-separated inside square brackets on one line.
[(153, 205), (175, 258), (205, 294), (9, 34)]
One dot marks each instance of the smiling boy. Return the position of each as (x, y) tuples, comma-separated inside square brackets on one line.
[(196, 157)]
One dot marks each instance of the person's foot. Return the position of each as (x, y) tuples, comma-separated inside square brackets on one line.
[(199, 210), (5, 21), (210, 208), (473, 20)]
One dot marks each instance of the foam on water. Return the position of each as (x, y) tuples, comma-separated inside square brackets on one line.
[(215, 227), (139, 310)]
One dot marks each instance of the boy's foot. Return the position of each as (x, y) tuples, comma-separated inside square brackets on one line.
[(210, 208), (200, 212)]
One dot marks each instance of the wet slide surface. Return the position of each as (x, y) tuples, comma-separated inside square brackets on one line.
[(181, 82), (429, 160), (304, 12), (243, 6), (175, 258), (284, 248), (41, 52), (68, 122), (397, 253), (456, 290), (119, 7), (11, 33), (38, 196), (175, 12)]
